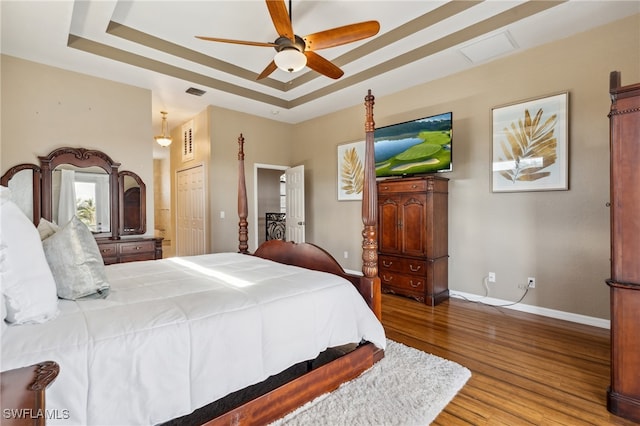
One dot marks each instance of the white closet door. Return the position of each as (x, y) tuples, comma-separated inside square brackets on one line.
[(190, 212)]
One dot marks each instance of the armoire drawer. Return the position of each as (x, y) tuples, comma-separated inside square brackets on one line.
[(395, 186), (401, 281), (402, 264)]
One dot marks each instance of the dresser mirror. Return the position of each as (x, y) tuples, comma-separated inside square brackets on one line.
[(133, 213), (24, 182), (81, 182), (82, 192)]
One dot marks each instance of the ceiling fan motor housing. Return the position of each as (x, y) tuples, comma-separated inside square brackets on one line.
[(286, 43)]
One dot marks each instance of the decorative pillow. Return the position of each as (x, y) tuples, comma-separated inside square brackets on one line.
[(27, 283), (75, 261), (46, 228)]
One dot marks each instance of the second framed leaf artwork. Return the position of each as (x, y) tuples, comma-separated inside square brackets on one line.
[(530, 144), (351, 171)]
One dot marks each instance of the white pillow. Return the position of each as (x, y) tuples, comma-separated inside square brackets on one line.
[(3, 308), (76, 262), (27, 283), (46, 228), (3, 304), (5, 194)]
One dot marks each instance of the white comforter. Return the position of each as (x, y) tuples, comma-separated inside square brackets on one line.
[(176, 334)]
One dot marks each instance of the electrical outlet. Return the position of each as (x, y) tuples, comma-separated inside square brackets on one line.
[(492, 277), (531, 282)]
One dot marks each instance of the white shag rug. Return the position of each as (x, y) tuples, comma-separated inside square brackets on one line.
[(407, 387)]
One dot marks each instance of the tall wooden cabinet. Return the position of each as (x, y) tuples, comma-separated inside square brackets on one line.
[(413, 237), (623, 396)]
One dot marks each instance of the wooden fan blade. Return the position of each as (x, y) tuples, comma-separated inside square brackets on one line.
[(280, 18), (248, 43), (321, 65), (341, 35), (268, 70)]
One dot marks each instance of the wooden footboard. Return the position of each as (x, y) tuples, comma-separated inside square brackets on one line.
[(288, 397)]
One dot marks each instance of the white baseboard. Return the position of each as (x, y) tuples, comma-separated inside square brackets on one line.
[(567, 316), (552, 313)]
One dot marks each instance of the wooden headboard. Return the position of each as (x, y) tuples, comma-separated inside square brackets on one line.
[(312, 257)]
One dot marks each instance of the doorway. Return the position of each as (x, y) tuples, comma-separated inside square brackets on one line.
[(271, 200), (269, 197)]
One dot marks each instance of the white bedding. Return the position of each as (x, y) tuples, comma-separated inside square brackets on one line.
[(175, 334)]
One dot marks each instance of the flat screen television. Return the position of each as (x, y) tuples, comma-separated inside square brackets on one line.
[(414, 147)]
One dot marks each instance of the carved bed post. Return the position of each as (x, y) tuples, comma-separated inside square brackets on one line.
[(371, 280), (243, 233)]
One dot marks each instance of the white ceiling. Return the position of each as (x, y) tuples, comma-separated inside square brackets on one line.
[(158, 50)]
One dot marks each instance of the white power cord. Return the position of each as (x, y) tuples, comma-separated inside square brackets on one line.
[(485, 284)]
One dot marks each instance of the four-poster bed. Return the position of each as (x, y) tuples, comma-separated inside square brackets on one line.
[(309, 308)]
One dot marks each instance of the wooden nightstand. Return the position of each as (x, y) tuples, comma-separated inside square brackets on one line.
[(22, 394)]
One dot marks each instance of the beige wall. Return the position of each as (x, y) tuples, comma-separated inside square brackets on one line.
[(560, 237), (44, 108), (216, 146)]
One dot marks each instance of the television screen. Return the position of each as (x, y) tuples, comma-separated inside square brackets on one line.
[(414, 147)]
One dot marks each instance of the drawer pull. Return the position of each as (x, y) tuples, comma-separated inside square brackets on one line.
[(106, 250), (138, 247), (414, 269), (385, 264), (387, 279), (417, 284), (414, 186)]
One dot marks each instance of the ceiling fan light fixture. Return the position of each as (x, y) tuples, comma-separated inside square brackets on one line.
[(164, 139), (290, 59)]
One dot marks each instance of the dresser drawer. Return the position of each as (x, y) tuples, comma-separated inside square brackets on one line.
[(402, 186), (137, 247), (109, 252), (119, 251), (403, 265)]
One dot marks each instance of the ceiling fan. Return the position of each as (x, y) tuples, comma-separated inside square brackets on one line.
[(294, 52)]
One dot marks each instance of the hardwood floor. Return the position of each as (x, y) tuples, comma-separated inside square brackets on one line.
[(526, 369)]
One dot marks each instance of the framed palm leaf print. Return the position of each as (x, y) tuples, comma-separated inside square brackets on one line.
[(350, 171), (530, 145)]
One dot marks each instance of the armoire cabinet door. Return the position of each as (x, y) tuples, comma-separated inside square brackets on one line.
[(388, 220), (413, 226)]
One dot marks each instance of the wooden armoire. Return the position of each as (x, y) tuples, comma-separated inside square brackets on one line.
[(623, 396), (413, 237)]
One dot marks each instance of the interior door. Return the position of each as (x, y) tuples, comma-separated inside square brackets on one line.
[(295, 222), (190, 211)]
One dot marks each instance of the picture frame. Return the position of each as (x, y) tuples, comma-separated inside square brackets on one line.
[(351, 171), (530, 145)]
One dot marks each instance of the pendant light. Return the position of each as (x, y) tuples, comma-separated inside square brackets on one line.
[(164, 139)]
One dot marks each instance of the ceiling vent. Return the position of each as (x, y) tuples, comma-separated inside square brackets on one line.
[(195, 92)]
